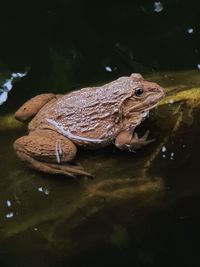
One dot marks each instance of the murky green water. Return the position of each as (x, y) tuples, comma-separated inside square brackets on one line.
[(141, 209)]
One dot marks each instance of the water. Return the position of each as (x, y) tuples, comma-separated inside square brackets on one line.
[(141, 209)]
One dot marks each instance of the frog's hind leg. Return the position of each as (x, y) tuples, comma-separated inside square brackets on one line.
[(49, 152), (28, 110)]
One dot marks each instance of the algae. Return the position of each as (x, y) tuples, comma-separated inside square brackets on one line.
[(8, 122)]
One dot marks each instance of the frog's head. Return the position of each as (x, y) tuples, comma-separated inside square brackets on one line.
[(144, 95)]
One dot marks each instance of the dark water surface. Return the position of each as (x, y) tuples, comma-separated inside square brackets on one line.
[(141, 209)]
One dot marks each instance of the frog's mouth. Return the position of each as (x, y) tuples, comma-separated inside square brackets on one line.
[(151, 107), (141, 110)]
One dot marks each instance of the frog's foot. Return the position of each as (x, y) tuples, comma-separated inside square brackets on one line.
[(49, 152), (138, 142), (68, 169), (128, 141), (64, 169)]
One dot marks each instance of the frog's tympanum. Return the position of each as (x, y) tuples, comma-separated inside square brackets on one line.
[(90, 118)]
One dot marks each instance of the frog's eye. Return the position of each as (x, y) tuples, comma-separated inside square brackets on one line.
[(138, 91)]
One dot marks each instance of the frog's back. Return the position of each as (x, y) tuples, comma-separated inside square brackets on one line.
[(86, 113)]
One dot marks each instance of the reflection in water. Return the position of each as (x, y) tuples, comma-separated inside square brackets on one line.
[(9, 215), (7, 86), (190, 30), (158, 7), (108, 68), (8, 203), (138, 204), (43, 190)]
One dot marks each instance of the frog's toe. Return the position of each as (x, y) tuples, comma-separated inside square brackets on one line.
[(138, 142), (145, 136), (68, 169)]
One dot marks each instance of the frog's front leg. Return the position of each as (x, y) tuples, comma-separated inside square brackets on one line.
[(126, 140), (49, 152)]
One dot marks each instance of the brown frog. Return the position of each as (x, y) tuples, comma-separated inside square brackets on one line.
[(91, 118)]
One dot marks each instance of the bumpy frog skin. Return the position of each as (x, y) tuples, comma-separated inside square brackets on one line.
[(91, 118)]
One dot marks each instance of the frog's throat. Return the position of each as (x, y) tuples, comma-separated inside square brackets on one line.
[(74, 137)]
